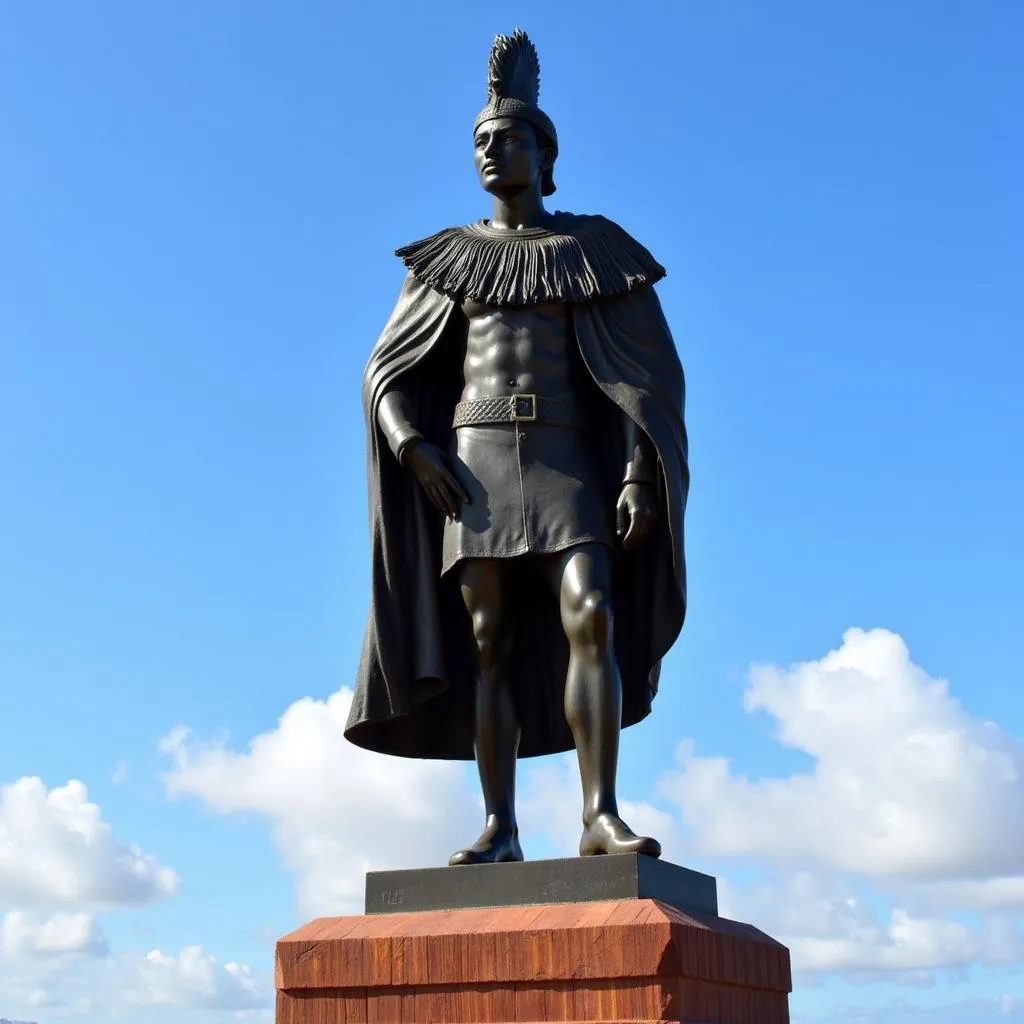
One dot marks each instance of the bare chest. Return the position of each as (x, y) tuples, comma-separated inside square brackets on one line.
[(542, 329), (509, 349)]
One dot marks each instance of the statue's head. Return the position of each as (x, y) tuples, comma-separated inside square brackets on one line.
[(515, 142), (511, 155)]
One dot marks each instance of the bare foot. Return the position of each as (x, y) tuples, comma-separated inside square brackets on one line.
[(608, 833), (497, 844)]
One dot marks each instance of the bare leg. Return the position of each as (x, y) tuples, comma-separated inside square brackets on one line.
[(496, 732), (593, 697)]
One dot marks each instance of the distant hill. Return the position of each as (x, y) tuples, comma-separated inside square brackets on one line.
[(4, 1020)]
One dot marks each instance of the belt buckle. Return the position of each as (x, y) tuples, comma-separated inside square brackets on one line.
[(524, 417)]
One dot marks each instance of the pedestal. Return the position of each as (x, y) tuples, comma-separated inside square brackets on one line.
[(633, 960)]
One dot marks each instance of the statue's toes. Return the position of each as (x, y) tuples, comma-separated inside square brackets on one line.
[(647, 846), (465, 857), (613, 836)]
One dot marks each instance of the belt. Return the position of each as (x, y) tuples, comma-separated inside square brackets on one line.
[(519, 409)]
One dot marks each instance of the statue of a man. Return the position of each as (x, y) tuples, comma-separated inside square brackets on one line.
[(527, 480)]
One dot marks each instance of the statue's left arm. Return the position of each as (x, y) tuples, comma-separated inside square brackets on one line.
[(641, 459), (629, 350), (637, 506)]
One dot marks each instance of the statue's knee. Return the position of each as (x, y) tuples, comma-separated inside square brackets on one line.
[(589, 623), (486, 637)]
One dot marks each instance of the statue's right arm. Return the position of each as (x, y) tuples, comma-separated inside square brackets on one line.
[(393, 419), (428, 465)]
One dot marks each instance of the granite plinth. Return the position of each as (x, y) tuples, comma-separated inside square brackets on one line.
[(568, 880)]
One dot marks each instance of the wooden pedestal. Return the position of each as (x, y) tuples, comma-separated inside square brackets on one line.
[(625, 961)]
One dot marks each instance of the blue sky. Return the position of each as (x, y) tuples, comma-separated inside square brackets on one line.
[(198, 213)]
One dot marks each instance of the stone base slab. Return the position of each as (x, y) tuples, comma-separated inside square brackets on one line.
[(560, 880)]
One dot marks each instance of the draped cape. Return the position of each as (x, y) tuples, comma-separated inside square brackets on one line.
[(415, 682)]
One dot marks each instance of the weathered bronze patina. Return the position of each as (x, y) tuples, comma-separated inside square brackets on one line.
[(527, 464)]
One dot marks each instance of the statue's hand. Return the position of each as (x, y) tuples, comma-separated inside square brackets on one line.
[(428, 465), (635, 513)]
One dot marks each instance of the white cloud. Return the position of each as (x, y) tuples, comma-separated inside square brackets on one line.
[(154, 986), (833, 928), (1004, 892), (24, 935), (905, 782), (120, 773), (339, 811), (57, 852), (1006, 1009), (336, 810), (191, 979), (909, 944), (901, 852)]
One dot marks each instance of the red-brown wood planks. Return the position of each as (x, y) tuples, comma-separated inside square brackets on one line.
[(628, 962)]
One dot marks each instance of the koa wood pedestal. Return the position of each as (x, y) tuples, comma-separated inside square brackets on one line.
[(628, 961)]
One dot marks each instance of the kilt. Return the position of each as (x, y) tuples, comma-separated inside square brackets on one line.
[(534, 488)]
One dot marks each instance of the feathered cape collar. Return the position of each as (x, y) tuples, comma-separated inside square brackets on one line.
[(576, 259)]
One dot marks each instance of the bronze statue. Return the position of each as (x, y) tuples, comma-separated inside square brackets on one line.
[(527, 477)]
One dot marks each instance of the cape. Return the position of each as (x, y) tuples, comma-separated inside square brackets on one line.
[(415, 683)]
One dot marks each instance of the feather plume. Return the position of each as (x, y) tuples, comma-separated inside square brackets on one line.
[(513, 70)]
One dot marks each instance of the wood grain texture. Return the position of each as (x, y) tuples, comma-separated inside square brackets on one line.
[(618, 961), (708, 1001)]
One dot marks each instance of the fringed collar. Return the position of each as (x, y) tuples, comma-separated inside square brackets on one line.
[(576, 259)]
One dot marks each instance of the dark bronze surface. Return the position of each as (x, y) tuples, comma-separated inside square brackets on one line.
[(528, 577)]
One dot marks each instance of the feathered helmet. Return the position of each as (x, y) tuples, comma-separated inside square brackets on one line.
[(513, 86)]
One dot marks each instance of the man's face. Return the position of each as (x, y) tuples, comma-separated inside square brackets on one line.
[(507, 156)]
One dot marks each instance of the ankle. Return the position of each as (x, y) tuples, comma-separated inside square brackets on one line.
[(606, 808), (505, 823)]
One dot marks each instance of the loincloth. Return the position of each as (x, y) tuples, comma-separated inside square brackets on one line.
[(534, 488)]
